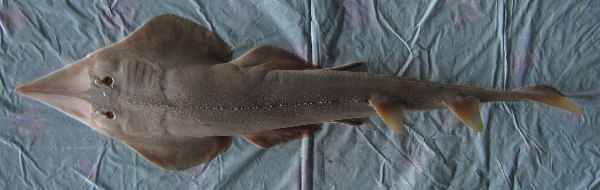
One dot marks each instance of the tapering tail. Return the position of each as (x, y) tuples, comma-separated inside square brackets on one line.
[(548, 95)]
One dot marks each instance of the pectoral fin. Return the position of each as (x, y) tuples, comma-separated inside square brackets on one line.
[(280, 136), (390, 113), (274, 58), (171, 41), (177, 153), (467, 110)]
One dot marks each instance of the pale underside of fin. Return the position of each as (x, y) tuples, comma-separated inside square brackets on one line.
[(390, 113), (280, 136), (467, 110)]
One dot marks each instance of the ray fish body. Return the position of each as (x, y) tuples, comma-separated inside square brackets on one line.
[(173, 93)]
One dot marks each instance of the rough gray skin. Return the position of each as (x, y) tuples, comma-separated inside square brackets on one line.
[(171, 92)]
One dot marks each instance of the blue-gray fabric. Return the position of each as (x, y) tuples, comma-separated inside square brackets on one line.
[(495, 44)]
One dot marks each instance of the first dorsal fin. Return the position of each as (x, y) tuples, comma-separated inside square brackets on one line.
[(178, 153), (279, 136), (273, 58), (171, 40), (467, 110)]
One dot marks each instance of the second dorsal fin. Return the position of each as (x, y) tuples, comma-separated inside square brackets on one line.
[(467, 110), (390, 112)]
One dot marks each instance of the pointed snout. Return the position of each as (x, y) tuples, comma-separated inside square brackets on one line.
[(74, 78), (63, 89)]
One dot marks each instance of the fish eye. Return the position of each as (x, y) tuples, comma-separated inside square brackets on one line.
[(107, 114), (107, 81)]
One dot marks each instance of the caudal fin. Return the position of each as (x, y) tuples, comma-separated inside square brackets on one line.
[(549, 95)]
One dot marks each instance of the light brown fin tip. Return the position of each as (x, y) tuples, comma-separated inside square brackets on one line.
[(467, 110), (390, 113)]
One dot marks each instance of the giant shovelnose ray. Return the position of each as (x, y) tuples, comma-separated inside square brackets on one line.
[(172, 92)]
